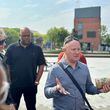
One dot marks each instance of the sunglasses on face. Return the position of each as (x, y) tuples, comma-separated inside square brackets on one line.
[(2, 42), (69, 39)]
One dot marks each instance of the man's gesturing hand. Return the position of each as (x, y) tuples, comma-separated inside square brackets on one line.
[(60, 88)]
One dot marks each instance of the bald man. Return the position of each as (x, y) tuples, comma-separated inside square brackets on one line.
[(60, 87), (26, 64)]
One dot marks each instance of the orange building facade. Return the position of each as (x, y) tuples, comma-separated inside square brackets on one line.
[(87, 23)]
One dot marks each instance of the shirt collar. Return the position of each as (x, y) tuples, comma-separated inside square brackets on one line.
[(66, 65), (19, 44)]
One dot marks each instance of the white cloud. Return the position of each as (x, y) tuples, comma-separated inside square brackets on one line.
[(66, 11), (34, 17), (64, 19), (29, 1), (4, 13), (30, 5), (61, 1)]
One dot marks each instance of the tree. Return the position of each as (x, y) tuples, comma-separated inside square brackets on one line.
[(105, 38), (62, 33), (12, 35), (108, 39), (45, 38), (57, 35), (104, 34), (36, 34), (38, 38)]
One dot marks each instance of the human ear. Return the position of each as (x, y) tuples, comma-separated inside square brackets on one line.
[(63, 49)]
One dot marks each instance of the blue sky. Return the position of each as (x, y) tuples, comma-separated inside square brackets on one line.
[(41, 15)]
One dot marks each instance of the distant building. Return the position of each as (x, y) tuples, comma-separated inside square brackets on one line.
[(87, 22)]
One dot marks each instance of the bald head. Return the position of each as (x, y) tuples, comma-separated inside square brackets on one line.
[(25, 30), (72, 51), (26, 36), (72, 43)]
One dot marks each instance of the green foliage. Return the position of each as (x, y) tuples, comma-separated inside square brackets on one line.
[(12, 35), (62, 33), (103, 34), (52, 34), (45, 38), (37, 34), (108, 39), (57, 35), (105, 37)]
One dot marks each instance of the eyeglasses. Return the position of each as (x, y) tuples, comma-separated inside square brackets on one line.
[(69, 39), (2, 42)]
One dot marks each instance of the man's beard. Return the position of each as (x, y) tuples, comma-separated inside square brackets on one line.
[(25, 43)]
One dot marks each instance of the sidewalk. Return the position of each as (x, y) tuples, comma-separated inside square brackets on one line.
[(99, 67), (87, 54), (99, 102)]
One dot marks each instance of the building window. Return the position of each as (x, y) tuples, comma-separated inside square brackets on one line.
[(91, 34), (80, 34), (80, 27)]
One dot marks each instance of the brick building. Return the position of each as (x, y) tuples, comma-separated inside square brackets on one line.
[(87, 22)]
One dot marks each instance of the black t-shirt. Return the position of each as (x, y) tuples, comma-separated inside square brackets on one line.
[(23, 63)]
